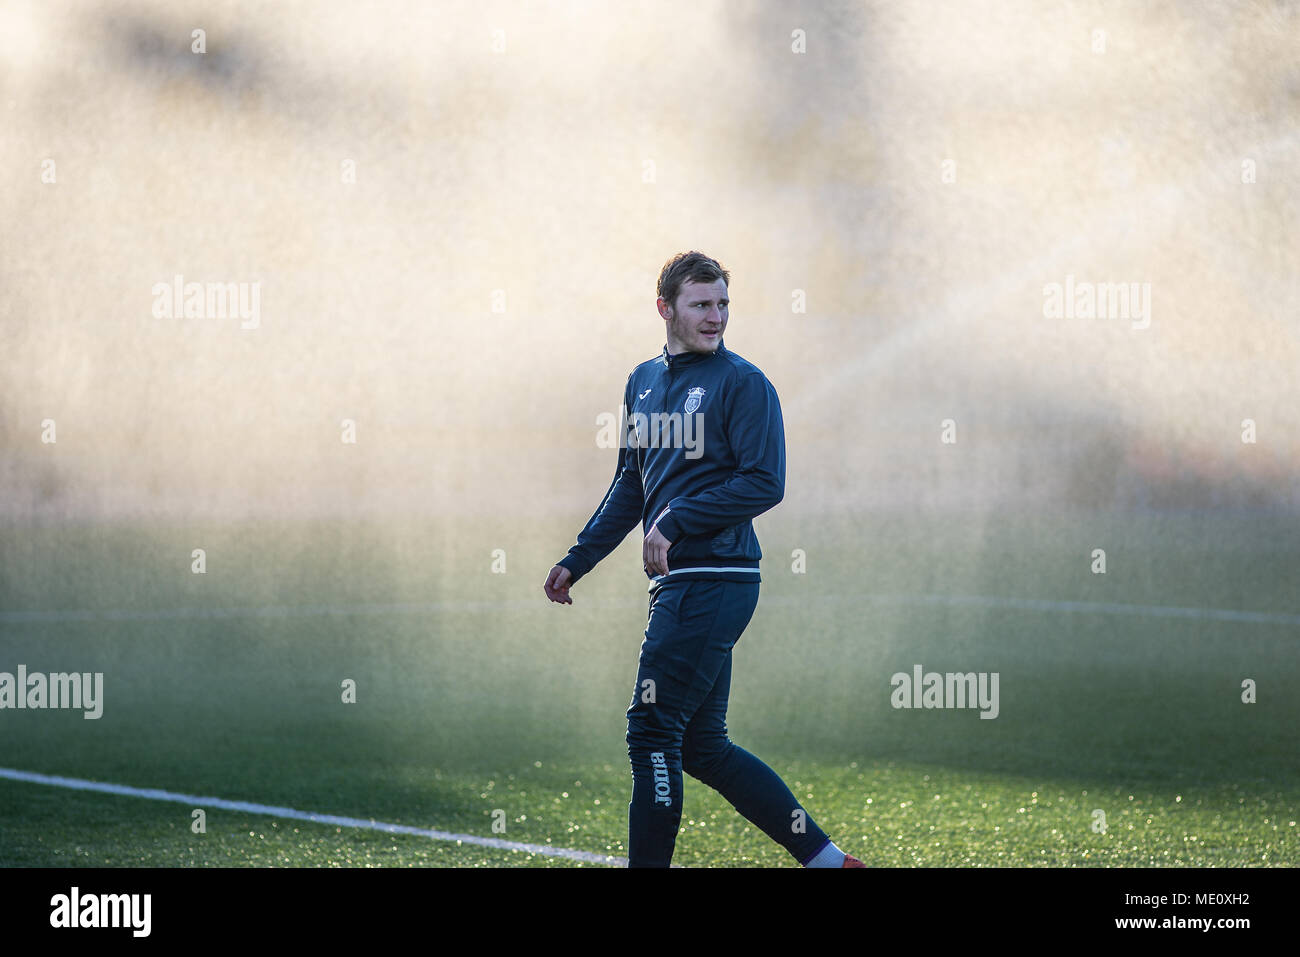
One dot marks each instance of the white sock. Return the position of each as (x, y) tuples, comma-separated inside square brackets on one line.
[(828, 856)]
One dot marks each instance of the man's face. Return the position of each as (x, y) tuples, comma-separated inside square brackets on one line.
[(699, 317)]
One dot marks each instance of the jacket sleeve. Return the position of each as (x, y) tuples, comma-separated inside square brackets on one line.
[(756, 434), (619, 512)]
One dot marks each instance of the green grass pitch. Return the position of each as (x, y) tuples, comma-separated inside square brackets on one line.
[(477, 700)]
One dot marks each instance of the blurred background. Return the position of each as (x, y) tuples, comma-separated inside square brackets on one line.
[(457, 212)]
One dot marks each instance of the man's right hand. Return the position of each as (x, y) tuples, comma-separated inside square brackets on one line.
[(557, 585)]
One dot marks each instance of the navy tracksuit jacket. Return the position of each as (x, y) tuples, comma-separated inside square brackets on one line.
[(701, 481)]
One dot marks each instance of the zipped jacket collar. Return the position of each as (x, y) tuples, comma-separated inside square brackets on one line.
[(672, 362)]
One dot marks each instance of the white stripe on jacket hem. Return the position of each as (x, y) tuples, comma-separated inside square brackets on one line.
[(707, 568)]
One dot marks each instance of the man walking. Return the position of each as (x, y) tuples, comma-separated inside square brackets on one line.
[(704, 454)]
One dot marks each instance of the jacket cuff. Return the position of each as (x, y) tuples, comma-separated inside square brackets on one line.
[(668, 525), (576, 566)]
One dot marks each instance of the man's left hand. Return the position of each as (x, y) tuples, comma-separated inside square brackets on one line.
[(654, 552)]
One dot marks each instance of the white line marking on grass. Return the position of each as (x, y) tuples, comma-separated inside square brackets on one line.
[(153, 794), (1103, 608), (1038, 604), (293, 611)]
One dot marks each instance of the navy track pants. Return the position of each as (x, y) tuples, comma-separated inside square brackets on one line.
[(677, 722)]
